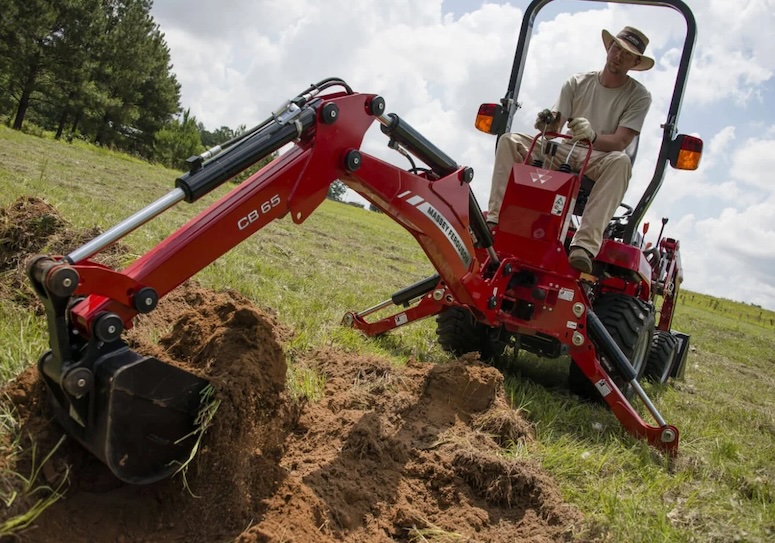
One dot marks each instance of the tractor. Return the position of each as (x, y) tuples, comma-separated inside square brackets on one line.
[(514, 286)]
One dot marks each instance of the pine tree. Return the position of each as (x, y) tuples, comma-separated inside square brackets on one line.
[(134, 65), (101, 65), (28, 31), (71, 90), (178, 140)]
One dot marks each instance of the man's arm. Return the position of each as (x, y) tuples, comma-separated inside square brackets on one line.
[(629, 124), (618, 141)]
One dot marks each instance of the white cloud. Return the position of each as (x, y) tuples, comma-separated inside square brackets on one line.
[(715, 151), (733, 255), (754, 162), (735, 52)]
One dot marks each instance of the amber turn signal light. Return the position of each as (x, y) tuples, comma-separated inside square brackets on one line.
[(491, 119), (485, 116), (685, 152)]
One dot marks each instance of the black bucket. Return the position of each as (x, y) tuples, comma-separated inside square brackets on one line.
[(141, 414)]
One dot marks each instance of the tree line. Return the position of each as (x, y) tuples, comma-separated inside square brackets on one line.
[(97, 70)]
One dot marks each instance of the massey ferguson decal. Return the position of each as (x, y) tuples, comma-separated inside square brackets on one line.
[(540, 176), (441, 222)]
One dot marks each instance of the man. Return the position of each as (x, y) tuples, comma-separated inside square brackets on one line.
[(607, 109)]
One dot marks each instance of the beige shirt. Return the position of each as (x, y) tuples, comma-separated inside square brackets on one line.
[(606, 109)]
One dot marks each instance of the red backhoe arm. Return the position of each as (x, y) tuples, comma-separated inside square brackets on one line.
[(137, 413)]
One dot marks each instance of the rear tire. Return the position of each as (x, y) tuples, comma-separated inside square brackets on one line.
[(459, 333), (664, 348), (630, 321)]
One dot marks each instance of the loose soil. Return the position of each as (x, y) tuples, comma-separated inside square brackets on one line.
[(413, 452)]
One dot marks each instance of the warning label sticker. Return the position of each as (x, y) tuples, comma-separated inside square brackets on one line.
[(603, 387), (559, 204)]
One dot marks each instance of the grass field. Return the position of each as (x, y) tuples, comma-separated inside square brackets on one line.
[(720, 489)]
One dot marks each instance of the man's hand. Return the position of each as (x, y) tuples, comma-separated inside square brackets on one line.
[(546, 120), (582, 130)]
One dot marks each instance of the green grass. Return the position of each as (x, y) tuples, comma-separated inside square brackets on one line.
[(24, 497), (22, 339), (720, 489)]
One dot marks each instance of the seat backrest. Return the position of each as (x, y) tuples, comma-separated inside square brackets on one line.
[(632, 149)]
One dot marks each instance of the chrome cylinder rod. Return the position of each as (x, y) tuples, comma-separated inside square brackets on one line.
[(647, 402), (375, 308), (126, 226)]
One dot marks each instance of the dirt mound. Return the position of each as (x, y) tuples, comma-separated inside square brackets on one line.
[(31, 226), (388, 453), (406, 453)]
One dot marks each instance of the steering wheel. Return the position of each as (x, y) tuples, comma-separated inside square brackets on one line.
[(627, 213)]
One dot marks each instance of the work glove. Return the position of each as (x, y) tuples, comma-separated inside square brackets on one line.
[(581, 130), (546, 120)]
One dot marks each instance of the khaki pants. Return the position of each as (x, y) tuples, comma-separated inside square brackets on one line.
[(610, 170)]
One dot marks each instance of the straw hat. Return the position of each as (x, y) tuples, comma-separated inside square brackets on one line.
[(632, 40)]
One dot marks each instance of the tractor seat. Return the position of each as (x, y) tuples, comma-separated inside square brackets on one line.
[(587, 182)]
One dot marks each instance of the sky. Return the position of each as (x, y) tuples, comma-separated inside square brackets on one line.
[(435, 61)]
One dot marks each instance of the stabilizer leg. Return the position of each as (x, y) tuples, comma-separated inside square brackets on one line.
[(429, 305)]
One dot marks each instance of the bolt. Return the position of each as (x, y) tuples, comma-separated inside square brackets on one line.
[(111, 329), (348, 319), (81, 383), (668, 435), (66, 282), (578, 309), (578, 339), (438, 294), (149, 301)]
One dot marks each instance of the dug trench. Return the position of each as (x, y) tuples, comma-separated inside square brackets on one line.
[(389, 452)]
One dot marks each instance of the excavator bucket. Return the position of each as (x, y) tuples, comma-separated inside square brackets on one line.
[(135, 413), (142, 414)]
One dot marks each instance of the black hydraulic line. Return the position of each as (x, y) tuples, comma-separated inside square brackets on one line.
[(243, 155), (405, 295), (611, 350), (419, 145), (299, 101)]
